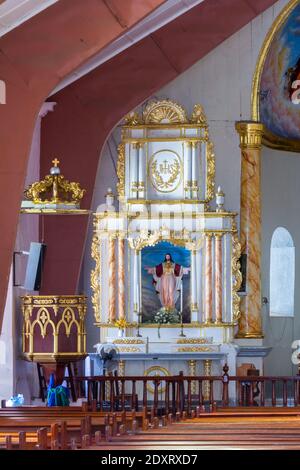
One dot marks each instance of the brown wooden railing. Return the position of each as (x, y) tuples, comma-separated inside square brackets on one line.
[(172, 394)]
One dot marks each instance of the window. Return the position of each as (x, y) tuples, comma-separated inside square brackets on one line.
[(282, 274)]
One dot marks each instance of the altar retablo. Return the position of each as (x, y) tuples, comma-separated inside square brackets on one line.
[(166, 259)]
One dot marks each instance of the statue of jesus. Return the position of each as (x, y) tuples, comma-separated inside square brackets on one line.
[(167, 280)]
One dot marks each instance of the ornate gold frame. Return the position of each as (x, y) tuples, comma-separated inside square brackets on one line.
[(161, 369), (150, 172), (270, 139), (96, 278)]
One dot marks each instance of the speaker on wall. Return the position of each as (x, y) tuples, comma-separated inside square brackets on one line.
[(33, 276)]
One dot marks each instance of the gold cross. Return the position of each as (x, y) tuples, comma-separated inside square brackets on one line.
[(55, 162)]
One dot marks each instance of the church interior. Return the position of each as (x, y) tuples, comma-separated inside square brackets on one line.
[(149, 244)]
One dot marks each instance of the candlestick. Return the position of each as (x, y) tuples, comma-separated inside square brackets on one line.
[(138, 325), (181, 324)]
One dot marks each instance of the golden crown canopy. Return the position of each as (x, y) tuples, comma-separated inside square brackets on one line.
[(166, 112), (54, 189)]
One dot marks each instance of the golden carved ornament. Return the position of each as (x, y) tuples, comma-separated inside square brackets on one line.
[(195, 349), (210, 172), (95, 277), (145, 239), (121, 170), (128, 341), (151, 239), (54, 189), (129, 349), (164, 372), (237, 277), (157, 179), (250, 134), (198, 115), (121, 323), (195, 245), (164, 112), (133, 119), (67, 320), (193, 341)]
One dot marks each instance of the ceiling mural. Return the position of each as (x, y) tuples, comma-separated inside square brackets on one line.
[(279, 93)]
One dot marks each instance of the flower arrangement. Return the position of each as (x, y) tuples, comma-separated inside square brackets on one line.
[(167, 315), (121, 323)]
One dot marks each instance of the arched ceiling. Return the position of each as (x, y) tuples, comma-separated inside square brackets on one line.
[(165, 13)]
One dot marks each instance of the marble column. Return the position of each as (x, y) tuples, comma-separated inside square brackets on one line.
[(194, 305), (141, 162), (111, 281), (250, 322), (121, 277), (218, 278), (208, 278)]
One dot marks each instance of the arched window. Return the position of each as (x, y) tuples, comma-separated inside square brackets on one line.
[(282, 274)]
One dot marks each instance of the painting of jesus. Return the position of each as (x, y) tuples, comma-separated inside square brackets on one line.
[(165, 273)]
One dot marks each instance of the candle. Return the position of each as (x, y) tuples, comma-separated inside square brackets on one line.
[(181, 297)]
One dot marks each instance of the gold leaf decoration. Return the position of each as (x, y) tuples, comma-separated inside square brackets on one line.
[(198, 115), (95, 278), (121, 170), (237, 277), (132, 119), (195, 349), (158, 181), (164, 112), (210, 174), (54, 189)]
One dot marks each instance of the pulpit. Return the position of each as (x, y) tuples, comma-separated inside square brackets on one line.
[(54, 332)]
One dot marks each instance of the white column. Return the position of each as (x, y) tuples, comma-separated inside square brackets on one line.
[(133, 164), (188, 170), (194, 171), (141, 162), (121, 278), (136, 282), (194, 306)]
